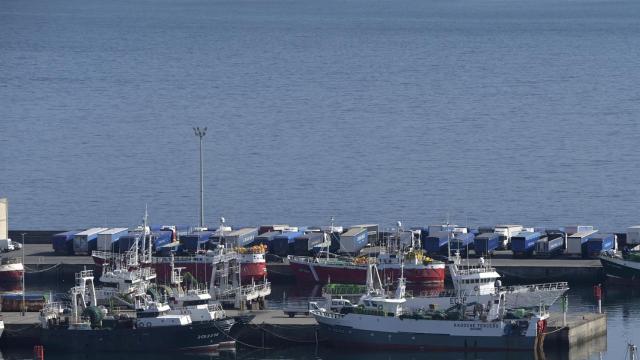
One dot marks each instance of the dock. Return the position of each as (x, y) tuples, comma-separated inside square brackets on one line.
[(273, 329)]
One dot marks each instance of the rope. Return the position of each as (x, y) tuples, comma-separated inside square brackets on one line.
[(238, 341), (288, 339), (555, 331), (29, 271), (27, 327)]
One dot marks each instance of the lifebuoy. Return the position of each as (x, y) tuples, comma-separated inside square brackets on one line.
[(148, 324), (476, 288), (140, 324)]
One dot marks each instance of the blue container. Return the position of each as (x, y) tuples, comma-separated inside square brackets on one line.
[(195, 241), (265, 238), (435, 244), (524, 243), (125, 243), (486, 243), (462, 242), (161, 238), (550, 246), (282, 244), (599, 243), (63, 242)]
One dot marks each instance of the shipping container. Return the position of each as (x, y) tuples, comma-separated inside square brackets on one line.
[(353, 240), (107, 238), (574, 229), (524, 243), (549, 247), (63, 242), (462, 243), (86, 241), (486, 243), (126, 242), (265, 238), (304, 244), (241, 237), (161, 238), (263, 229), (506, 232), (598, 243), (633, 236), (282, 244), (552, 245), (372, 232), (435, 245), (577, 243), (195, 241)]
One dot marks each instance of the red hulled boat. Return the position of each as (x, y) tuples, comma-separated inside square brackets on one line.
[(11, 273), (253, 266), (417, 269)]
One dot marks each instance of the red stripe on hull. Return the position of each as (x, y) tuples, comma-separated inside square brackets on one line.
[(8, 277), (357, 275)]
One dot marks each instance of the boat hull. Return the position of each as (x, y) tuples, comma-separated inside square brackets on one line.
[(308, 272), (201, 270), (389, 332), (620, 270), (11, 277), (381, 340), (194, 337)]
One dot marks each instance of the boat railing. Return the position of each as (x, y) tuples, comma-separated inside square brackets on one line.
[(328, 314), (471, 270), (84, 274), (438, 293), (539, 287), (204, 259)]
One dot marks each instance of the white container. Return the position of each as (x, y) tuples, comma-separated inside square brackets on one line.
[(633, 235), (81, 240), (574, 229), (108, 237), (506, 232), (575, 241)]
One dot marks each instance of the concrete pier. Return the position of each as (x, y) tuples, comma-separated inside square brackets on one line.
[(273, 329)]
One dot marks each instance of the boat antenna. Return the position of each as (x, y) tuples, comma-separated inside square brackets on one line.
[(330, 237)]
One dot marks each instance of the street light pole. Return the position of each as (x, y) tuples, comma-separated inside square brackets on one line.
[(201, 132), (23, 275)]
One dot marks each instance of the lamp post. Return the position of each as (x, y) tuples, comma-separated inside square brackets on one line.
[(200, 133), (23, 275)]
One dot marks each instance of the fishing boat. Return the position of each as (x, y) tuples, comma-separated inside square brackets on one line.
[(11, 273), (253, 266), (418, 268), (383, 321), (480, 283), (621, 266), (83, 327)]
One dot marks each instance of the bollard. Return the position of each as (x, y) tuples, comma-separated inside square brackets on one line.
[(597, 292)]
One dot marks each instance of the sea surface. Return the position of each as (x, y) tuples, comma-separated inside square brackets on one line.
[(476, 111)]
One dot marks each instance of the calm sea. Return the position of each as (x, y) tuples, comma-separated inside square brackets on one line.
[(480, 111)]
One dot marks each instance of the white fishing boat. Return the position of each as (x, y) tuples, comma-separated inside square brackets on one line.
[(480, 283), (381, 321)]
